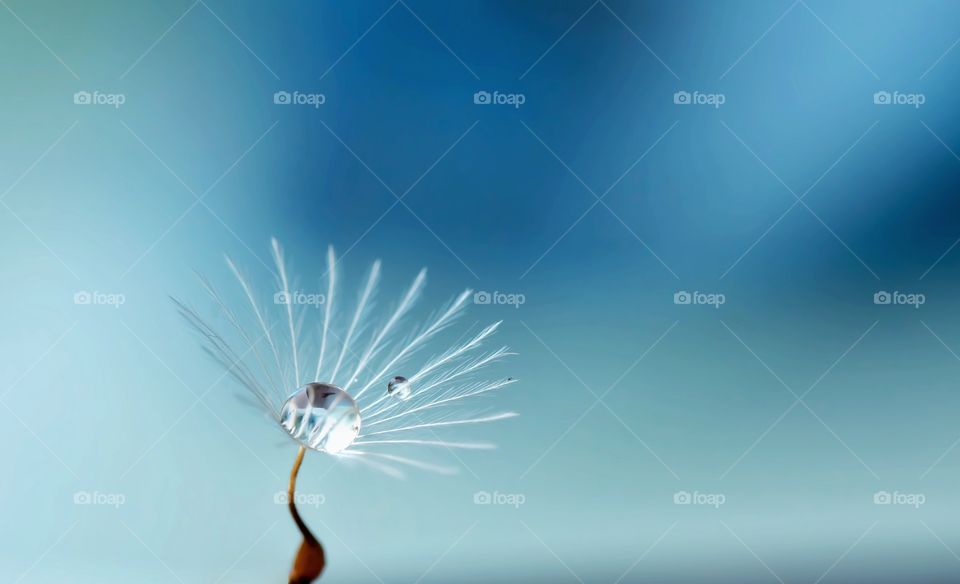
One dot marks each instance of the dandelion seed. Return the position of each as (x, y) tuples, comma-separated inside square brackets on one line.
[(269, 348)]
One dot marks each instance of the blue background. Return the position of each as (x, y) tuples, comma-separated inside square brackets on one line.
[(105, 399)]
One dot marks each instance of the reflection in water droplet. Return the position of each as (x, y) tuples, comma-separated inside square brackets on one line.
[(400, 388), (322, 416)]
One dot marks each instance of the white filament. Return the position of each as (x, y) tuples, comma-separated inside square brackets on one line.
[(278, 259), (328, 301), (361, 306)]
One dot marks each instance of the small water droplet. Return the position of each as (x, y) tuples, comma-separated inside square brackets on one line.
[(400, 388), (321, 416)]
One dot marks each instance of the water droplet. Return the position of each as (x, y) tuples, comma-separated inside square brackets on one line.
[(400, 388), (322, 416)]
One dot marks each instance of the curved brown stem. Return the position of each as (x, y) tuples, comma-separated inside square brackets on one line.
[(310, 559)]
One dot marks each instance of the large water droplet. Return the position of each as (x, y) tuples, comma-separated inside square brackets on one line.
[(322, 416), (400, 388)]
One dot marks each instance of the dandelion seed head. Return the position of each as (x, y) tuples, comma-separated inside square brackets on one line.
[(317, 364)]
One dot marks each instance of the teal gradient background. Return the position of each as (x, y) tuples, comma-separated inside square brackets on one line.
[(694, 398)]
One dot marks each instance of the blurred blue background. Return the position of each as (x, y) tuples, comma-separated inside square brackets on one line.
[(199, 161)]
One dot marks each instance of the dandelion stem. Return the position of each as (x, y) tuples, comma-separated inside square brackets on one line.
[(292, 501), (310, 558)]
